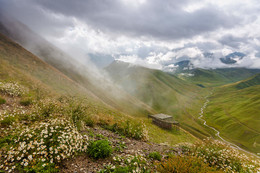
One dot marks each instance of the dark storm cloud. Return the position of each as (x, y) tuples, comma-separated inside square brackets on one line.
[(150, 31), (155, 18), (35, 17), (233, 41)]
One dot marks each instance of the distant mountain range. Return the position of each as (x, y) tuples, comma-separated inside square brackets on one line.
[(232, 58)]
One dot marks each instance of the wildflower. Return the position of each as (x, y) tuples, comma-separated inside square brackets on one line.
[(30, 157)]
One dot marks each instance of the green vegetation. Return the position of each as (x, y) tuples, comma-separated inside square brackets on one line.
[(129, 129), (2, 101), (217, 77), (6, 121), (99, 149), (235, 113), (163, 92), (223, 157), (26, 102), (187, 164), (127, 163), (50, 112), (43, 145), (255, 80), (155, 156)]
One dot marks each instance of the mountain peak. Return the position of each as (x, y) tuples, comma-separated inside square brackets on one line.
[(232, 58)]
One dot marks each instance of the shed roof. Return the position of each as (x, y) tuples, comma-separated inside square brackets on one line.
[(161, 116)]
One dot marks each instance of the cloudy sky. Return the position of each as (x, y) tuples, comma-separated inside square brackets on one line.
[(152, 33)]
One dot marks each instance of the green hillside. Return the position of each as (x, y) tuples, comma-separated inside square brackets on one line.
[(43, 81), (255, 80), (86, 76), (234, 110), (163, 92), (217, 77)]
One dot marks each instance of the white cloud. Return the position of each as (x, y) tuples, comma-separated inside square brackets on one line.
[(148, 33)]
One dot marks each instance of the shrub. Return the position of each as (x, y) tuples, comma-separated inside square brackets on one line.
[(12, 89), (76, 112), (89, 121), (42, 146), (155, 156), (121, 170), (46, 108), (25, 102), (2, 101), (99, 149), (128, 128), (221, 155), (7, 121), (187, 164)]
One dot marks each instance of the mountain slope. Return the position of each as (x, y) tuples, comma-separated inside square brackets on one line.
[(163, 92), (255, 80), (86, 76), (19, 64), (234, 110), (217, 77), (44, 81)]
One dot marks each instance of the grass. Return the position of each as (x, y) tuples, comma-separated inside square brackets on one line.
[(99, 149), (235, 113), (26, 102), (155, 156), (218, 77), (2, 101), (187, 164), (163, 92)]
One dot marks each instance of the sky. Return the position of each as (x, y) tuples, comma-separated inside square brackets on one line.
[(151, 33)]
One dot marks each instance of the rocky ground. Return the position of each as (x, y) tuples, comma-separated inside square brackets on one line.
[(121, 145)]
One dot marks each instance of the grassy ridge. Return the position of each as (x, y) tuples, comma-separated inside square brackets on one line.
[(235, 113), (255, 80), (217, 77)]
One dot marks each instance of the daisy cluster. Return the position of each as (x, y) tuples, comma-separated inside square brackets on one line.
[(12, 89), (219, 154), (42, 145)]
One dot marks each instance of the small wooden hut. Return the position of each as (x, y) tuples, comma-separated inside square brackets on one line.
[(163, 120)]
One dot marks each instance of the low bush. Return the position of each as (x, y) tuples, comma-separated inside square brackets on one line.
[(187, 164), (130, 129), (12, 89), (25, 102), (41, 147), (222, 156), (99, 149), (2, 101), (89, 121), (7, 121), (155, 156)]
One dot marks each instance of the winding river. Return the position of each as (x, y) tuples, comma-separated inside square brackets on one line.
[(217, 133)]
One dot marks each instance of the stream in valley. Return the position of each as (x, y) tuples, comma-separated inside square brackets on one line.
[(217, 133)]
